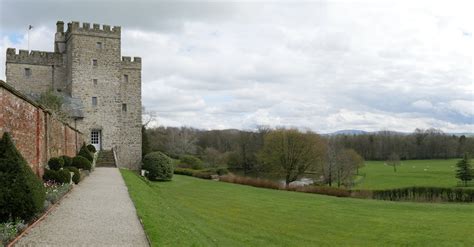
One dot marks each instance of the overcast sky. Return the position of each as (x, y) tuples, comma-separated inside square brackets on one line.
[(322, 65)]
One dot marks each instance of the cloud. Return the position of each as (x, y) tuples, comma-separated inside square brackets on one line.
[(323, 65)]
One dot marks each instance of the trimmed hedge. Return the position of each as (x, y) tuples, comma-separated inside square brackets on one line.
[(91, 148), (56, 163), (22, 194), (184, 171), (84, 152), (67, 160), (61, 177), (158, 166), (81, 163), (203, 174), (76, 178), (425, 194)]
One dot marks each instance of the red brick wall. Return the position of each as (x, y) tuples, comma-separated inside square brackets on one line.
[(37, 135)]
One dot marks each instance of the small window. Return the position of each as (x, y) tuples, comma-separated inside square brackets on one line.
[(98, 45), (94, 101), (94, 81), (124, 107), (125, 78), (27, 72), (94, 62)]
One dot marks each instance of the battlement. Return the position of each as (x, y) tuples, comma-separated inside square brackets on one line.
[(128, 63), (33, 57), (96, 30)]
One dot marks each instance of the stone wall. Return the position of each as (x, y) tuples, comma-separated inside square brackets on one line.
[(37, 135), (47, 71)]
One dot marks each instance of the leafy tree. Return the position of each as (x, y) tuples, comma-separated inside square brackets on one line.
[(289, 153), (393, 160), (464, 170)]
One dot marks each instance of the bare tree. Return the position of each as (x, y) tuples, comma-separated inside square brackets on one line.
[(393, 160)]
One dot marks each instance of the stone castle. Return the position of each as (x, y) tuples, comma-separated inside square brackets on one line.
[(101, 89)]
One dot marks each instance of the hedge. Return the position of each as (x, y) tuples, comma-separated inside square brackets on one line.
[(84, 152), (56, 163), (76, 178)]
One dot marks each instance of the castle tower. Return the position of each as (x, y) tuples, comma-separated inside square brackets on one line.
[(87, 66)]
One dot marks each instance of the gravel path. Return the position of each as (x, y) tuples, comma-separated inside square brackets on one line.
[(98, 212)]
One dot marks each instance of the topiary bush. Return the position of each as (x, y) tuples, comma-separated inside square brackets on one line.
[(81, 163), (76, 178), (158, 166), (65, 176), (189, 161), (84, 152), (22, 193), (91, 148), (56, 163), (52, 176), (67, 160)]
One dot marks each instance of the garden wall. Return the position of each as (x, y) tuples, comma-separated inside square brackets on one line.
[(37, 135)]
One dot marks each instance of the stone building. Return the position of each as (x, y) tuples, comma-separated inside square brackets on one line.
[(102, 89)]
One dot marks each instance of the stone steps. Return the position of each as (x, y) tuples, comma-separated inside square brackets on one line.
[(105, 159)]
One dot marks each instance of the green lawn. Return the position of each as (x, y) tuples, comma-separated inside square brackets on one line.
[(440, 173), (194, 212)]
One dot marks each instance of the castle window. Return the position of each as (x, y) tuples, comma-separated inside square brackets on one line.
[(94, 101), (94, 62), (98, 45), (94, 81), (27, 72), (124, 107), (125, 78)]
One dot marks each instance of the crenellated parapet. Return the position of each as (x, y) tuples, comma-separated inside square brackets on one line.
[(95, 29), (129, 63), (34, 57)]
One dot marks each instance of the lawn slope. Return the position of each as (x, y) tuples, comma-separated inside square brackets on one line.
[(436, 173), (194, 212)]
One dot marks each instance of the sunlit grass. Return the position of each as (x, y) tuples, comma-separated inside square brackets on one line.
[(194, 212)]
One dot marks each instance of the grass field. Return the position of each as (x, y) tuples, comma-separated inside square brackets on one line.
[(194, 212), (438, 173)]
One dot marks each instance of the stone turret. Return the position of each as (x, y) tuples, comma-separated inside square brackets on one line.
[(60, 38)]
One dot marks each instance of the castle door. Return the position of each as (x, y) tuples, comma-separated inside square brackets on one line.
[(95, 139)]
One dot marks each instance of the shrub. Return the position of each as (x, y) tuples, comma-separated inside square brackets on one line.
[(203, 174), (91, 148), (159, 166), (52, 176), (222, 171), (84, 152), (189, 161), (255, 182), (65, 176), (22, 193), (323, 190), (81, 163), (76, 178), (67, 160), (184, 171), (427, 194), (56, 163)]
